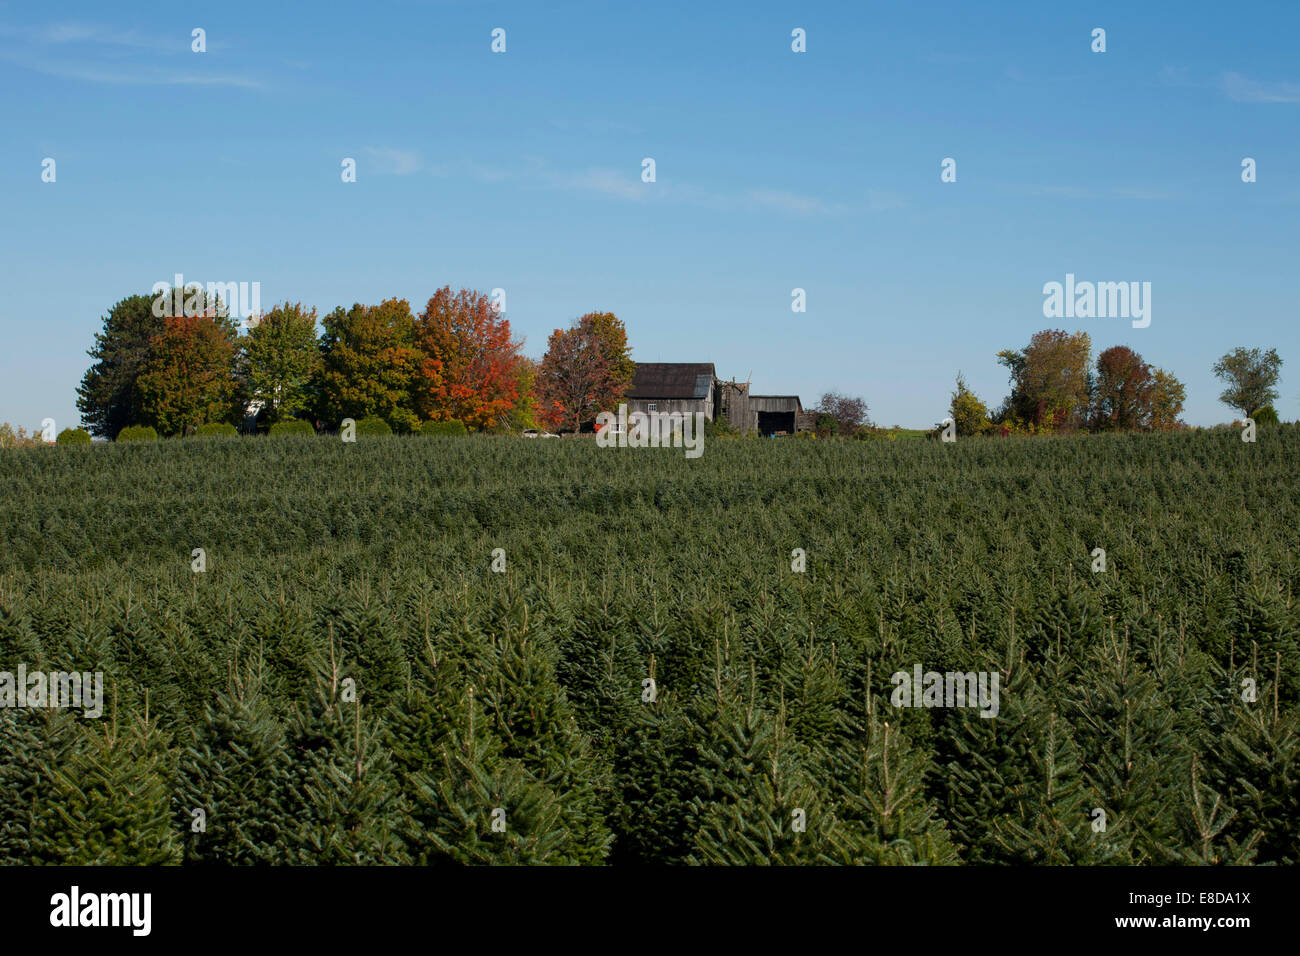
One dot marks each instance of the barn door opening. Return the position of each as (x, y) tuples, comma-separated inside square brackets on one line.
[(770, 423)]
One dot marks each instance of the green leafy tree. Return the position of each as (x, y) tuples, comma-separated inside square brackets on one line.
[(612, 334), (282, 358), (74, 436), (969, 414), (107, 397), (369, 361), (1251, 376), (523, 415)]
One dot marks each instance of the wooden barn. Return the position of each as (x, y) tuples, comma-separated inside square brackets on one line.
[(673, 387), (765, 414), (695, 387)]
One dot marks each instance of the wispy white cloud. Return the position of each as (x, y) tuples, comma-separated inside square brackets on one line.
[(114, 75), (212, 79), (1245, 90), (880, 200), (1177, 76), (94, 53), (386, 161), (1063, 192), (1138, 193), (592, 126), (794, 202), (533, 172), (97, 35), (1143, 195), (610, 182)]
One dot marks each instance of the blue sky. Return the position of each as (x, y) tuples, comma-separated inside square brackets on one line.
[(774, 170)]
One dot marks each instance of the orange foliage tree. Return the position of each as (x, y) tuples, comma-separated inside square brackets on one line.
[(468, 369), (189, 376)]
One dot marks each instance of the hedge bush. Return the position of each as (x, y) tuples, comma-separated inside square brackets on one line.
[(452, 428), (137, 433), (73, 436), (217, 430), (373, 426), (1265, 416), (292, 426)]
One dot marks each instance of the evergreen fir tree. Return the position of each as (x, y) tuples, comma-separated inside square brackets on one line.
[(32, 745), (758, 802), (108, 805), (344, 796), (478, 807), (1204, 820), (1129, 748), (885, 816), (535, 721), (234, 773)]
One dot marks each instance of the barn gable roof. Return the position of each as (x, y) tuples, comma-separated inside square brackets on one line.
[(672, 380), (789, 399)]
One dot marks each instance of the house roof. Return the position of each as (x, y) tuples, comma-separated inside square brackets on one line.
[(672, 380)]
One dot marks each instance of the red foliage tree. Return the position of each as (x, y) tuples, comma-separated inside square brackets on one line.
[(468, 368), (1123, 393), (573, 383)]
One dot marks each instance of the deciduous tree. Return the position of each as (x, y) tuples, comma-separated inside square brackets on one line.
[(1251, 375), (573, 382), (850, 413), (969, 414), (1049, 380), (468, 363), (1167, 396), (107, 397), (189, 376), (282, 357), (369, 361), (612, 334), (1123, 392)]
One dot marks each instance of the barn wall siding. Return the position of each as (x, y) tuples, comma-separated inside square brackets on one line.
[(668, 405)]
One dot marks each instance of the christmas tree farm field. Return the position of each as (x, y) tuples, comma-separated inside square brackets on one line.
[(1077, 650)]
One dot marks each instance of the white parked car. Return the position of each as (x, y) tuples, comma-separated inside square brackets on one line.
[(534, 433)]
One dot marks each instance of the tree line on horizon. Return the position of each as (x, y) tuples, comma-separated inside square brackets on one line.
[(455, 361), (177, 370), (1056, 390)]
